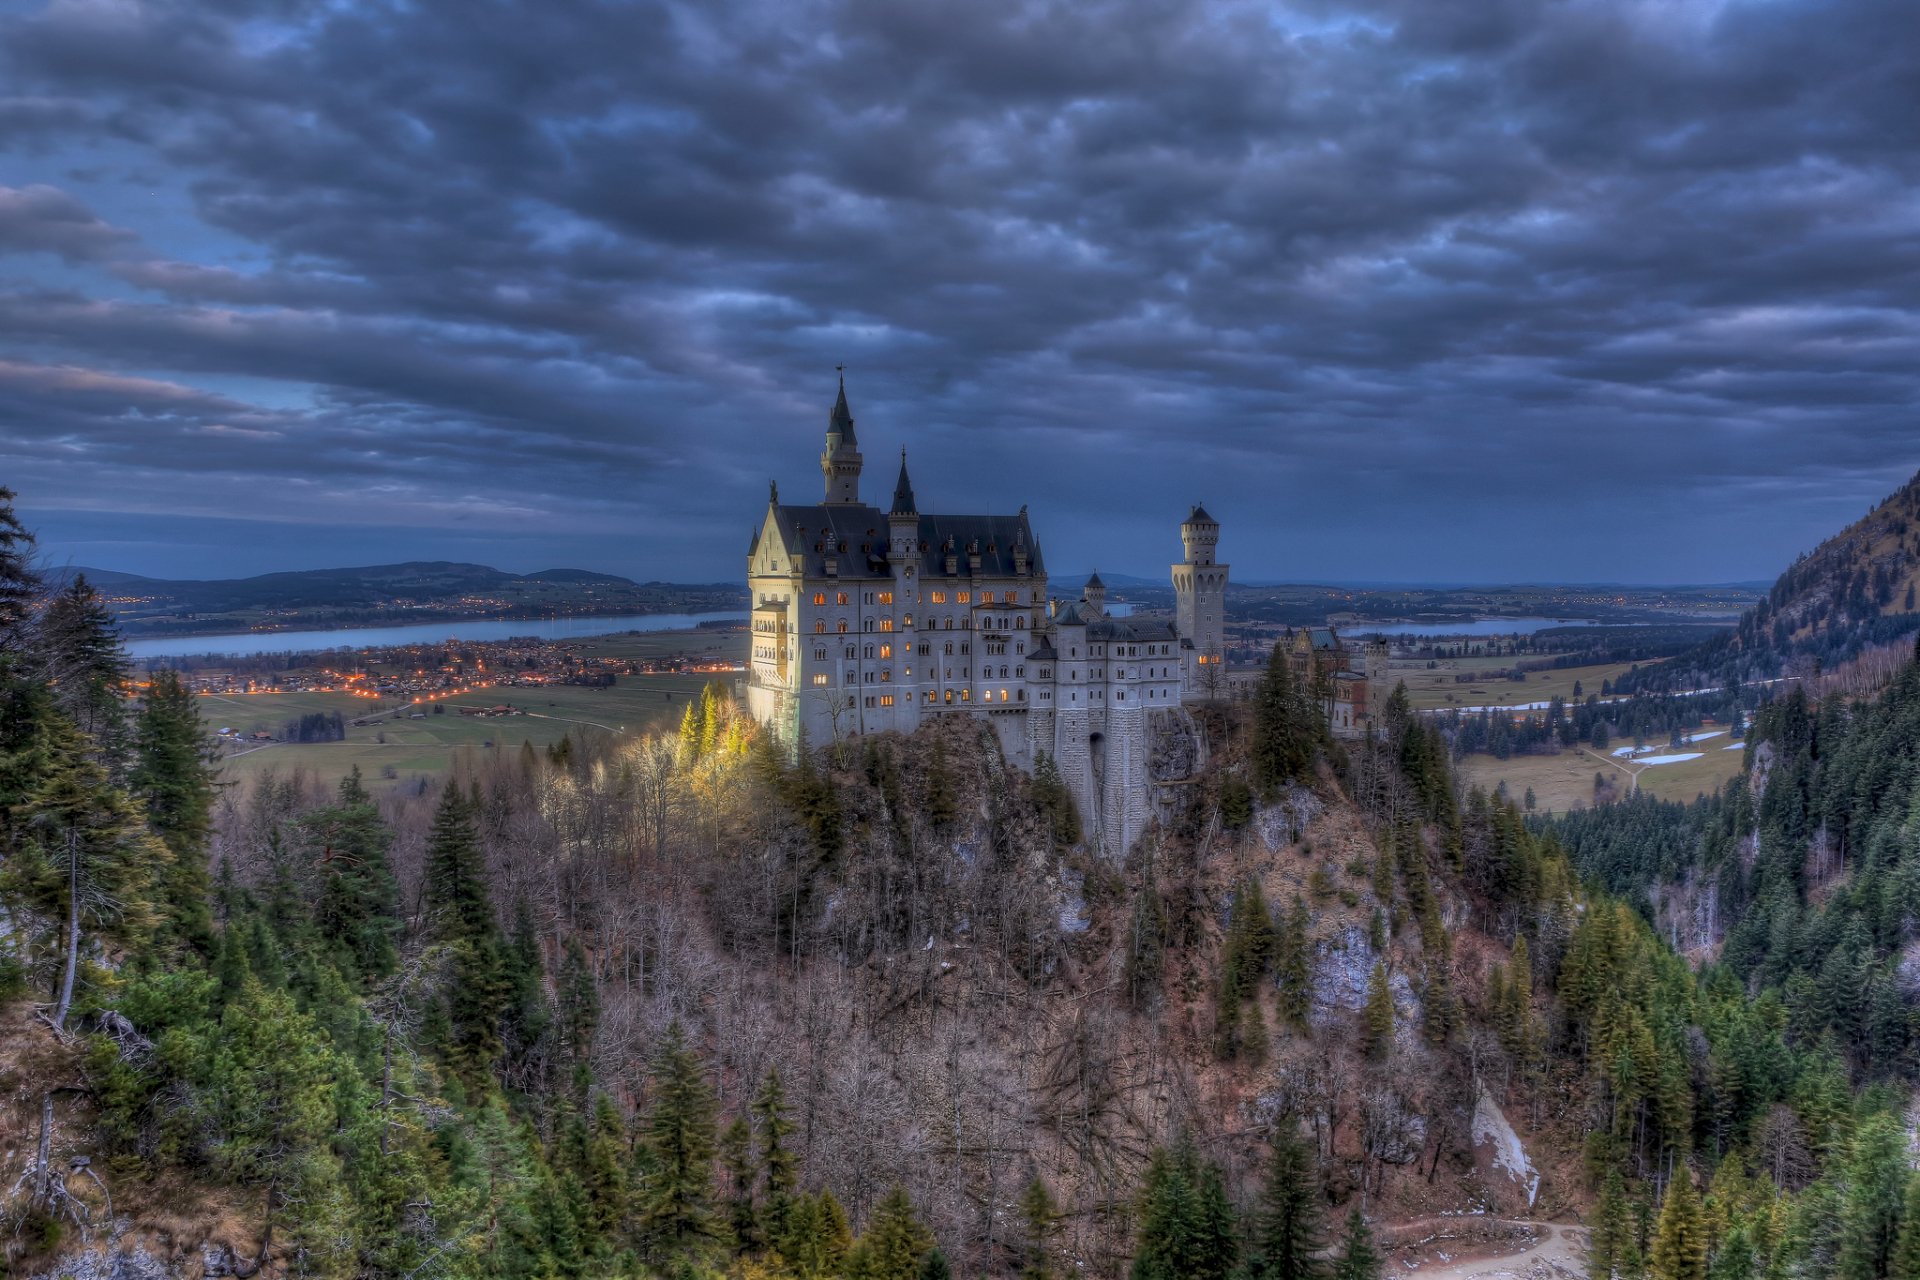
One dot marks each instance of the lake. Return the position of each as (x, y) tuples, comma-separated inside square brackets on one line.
[(1478, 627), (242, 645)]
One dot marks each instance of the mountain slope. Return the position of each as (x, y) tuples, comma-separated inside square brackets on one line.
[(1854, 593)]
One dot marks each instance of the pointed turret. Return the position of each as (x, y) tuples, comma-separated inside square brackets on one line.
[(840, 463), (903, 504), (1096, 596)]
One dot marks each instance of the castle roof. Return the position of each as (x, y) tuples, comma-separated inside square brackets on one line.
[(1132, 630), (1094, 581), (841, 419), (860, 537), (903, 490), (1199, 516)]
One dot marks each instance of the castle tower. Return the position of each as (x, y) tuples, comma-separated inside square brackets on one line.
[(840, 463), (903, 521), (1200, 605), (1096, 597)]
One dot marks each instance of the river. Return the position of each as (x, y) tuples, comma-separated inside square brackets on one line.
[(247, 643)]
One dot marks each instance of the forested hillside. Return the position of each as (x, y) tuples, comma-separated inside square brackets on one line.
[(1849, 600), (683, 1006)]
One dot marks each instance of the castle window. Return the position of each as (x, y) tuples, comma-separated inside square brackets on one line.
[(1021, 647), (938, 597), (886, 597), (908, 622), (820, 678), (963, 647), (949, 624), (949, 697), (819, 655), (886, 651), (869, 651), (986, 597), (850, 652), (1020, 671), (840, 597), (869, 624), (1036, 597), (966, 695), (843, 626), (886, 676), (966, 597), (1023, 695), (886, 699), (819, 597), (886, 624), (820, 627), (949, 646), (869, 699)]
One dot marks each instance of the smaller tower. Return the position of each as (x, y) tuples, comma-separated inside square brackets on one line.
[(903, 519), (840, 462), (1200, 605), (1096, 596)]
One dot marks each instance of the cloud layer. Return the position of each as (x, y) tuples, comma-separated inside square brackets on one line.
[(1402, 290)]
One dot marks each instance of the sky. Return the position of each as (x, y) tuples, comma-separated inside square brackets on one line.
[(1401, 290)]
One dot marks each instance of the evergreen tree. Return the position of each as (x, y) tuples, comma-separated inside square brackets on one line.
[(814, 1239), (480, 985), (1040, 1215), (1680, 1240), (935, 1267), (1287, 1220), (894, 1244), (1875, 1205), (777, 1161), (86, 667), (19, 584), (1187, 1229), (736, 1157), (173, 778), (1295, 966), (1377, 1018), (676, 1216), (1905, 1264), (1359, 1259), (1283, 739)]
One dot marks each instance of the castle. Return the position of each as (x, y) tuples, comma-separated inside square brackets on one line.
[(871, 621)]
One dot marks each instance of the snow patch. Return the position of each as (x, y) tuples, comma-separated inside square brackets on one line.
[(1678, 758), (1735, 746), (1491, 1128)]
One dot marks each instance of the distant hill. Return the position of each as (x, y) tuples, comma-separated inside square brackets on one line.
[(1854, 593), (417, 591)]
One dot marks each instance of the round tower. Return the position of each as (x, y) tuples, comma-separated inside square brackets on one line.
[(840, 462), (1200, 606)]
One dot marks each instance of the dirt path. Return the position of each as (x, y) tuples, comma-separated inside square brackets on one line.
[(1560, 1250)]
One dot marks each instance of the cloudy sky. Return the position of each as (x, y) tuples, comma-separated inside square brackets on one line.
[(1403, 290)]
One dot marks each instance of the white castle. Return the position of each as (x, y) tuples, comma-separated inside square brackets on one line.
[(870, 621)]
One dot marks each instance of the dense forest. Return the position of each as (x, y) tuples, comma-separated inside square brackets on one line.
[(691, 1006)]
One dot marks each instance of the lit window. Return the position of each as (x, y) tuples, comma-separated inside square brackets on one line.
[(819, 597), (839, 597), (966, 597), (886, 624), (821, 678), (886, 597), (843, 626), (986, 597), (820, 627), (938, 597), (886, 651), (886, 699)]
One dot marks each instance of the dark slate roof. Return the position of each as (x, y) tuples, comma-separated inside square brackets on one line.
[(903, 490), (861, 534), (1199, 516), (1045, 653), (1094, 581), (1132, 630), (841, 419)]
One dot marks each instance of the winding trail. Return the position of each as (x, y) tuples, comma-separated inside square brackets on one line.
[(1559, 1250)]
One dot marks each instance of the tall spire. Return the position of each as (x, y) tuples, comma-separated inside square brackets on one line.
[(840, 461), (903, 504), (841, 419)]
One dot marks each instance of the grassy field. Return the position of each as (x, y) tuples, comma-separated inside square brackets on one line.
[(398, 747), (655, 644), (1564, 781), (1436, 688)]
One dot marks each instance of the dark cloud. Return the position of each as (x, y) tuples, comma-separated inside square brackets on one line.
[(1636, 280)]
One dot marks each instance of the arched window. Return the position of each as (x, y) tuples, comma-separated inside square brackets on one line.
[(820, 627), (1020, 623), (819, 597), (843, 626)]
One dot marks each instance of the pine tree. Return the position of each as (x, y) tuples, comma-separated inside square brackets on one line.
[(814, 1240), (676, 1217), (935, 1266), (1040, 1214), (1187, 1228), (736, 1157), (85, 666), (1680, 1240), (1287, 1220), (1905, 1264), (1876, 1184), (19, 584), (89, 860), (480, 988), (1377, 1019), (777, 1162), (173, 779), (894, 1244), (1295, 966), (358, 905), (1282, 741), (1359, 1259)]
